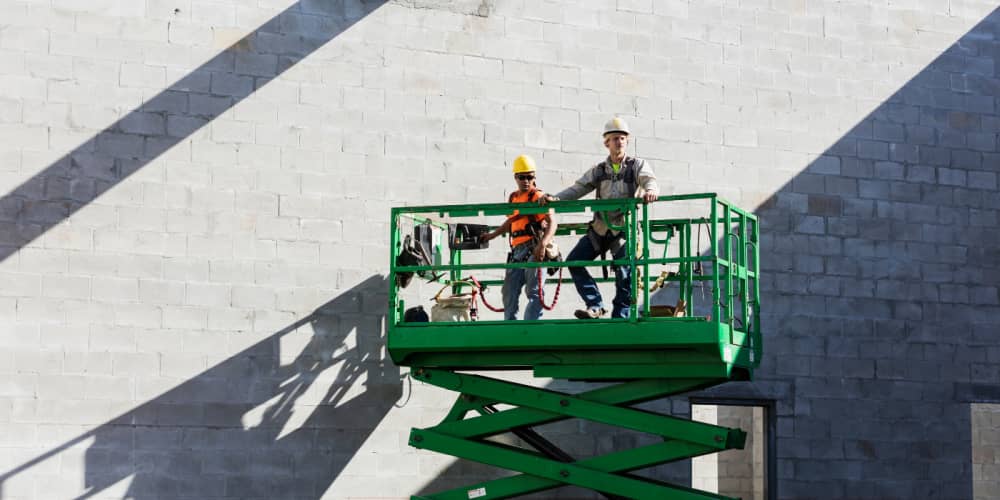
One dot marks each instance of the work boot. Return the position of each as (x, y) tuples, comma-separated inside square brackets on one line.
[(592, 313)]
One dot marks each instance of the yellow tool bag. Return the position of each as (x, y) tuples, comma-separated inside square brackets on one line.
[(453, 308)]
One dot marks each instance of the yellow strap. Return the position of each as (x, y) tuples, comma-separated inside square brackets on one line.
[(453, 283)]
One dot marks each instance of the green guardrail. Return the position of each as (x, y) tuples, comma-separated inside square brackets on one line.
[(646, 356)]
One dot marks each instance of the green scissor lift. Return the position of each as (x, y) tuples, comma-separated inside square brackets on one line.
[(644, 358)]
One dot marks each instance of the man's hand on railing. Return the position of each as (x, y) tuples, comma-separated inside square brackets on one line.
[(647, 197)]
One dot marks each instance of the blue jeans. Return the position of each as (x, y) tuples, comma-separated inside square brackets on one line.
[(515, 279), (587, 287)]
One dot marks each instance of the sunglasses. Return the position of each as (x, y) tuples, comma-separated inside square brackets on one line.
[(524, 177)]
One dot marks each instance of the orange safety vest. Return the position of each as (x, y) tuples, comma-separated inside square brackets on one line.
[(520, 232)]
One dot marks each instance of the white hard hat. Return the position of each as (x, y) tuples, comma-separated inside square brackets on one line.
[(616, 125)]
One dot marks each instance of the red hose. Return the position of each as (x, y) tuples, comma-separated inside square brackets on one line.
[(479, 290), (541, 292)]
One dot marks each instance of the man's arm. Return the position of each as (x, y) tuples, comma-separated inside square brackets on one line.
[(585, 184), (647, 179), (503, 229), (549, 223)]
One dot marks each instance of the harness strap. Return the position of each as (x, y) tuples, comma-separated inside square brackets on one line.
[(626, 174), (529, 231), (532, 227)]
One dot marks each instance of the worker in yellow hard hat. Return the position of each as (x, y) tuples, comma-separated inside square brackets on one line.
[(530, 238), (618, 176)]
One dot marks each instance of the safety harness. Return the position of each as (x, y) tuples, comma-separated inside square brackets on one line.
[(529, 225), (626, 174)]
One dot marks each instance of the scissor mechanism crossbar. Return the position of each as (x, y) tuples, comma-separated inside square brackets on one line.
[(464, 433)]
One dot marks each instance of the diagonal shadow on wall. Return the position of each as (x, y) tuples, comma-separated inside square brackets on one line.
[(195, 441), (879, 263), (879, 267), (129, 144)]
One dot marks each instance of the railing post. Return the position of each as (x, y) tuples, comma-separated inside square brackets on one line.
[(744, 273), (394, 246), (687, 288), (645, 259), (716, 299), (758, 349), (728, 216), (630, 226)]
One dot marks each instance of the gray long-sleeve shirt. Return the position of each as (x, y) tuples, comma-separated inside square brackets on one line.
[(601, 177)]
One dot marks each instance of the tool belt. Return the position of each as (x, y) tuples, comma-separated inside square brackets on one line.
[(602, 244), (552, 254)]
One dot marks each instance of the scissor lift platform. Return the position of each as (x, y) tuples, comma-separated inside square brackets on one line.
[(648, 348), (648, 357)]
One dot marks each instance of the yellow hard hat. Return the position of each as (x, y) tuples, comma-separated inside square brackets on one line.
[(524, 163), (615, 125)]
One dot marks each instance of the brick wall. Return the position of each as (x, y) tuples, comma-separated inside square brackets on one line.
[(733, 473), (985, 451), (193, 222)]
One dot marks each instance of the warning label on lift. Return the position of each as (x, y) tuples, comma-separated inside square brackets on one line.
[(477, 493)]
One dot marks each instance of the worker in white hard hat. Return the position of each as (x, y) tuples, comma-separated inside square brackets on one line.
[(618, 176), (530, 237)]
